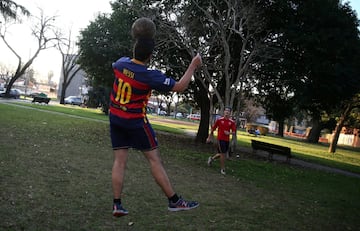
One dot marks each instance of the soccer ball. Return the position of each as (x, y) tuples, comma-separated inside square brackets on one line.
[(143, 28)]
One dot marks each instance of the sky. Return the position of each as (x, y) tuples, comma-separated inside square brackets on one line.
[(355, 5), (71, 14)]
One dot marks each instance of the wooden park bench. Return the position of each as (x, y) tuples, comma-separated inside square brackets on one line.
[(271, 149), (41, 99)]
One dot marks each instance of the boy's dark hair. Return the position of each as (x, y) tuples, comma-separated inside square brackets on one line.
[(143, 48), (143, 28)]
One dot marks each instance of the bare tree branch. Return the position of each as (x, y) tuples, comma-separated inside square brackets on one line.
[(70, 68), (44, 32)]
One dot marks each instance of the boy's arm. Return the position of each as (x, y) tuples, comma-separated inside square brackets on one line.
[(183, 83), (211, 134)]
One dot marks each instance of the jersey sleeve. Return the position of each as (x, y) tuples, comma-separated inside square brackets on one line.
[(161, 82), (215, 125)]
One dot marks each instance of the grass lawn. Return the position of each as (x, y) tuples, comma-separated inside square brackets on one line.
[(56, 175)]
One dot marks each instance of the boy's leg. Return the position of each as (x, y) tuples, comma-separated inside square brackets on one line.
[(118, 171), (159, 173), (212, 158), (176, 203), (224, 148), (222, 160)]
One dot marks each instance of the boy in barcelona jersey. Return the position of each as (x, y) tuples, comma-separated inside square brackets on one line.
[(129, 126)]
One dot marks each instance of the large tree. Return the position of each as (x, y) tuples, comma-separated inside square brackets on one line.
[(177, 43), (347, 107), (9, 9), (271, 87), (229, 35), (105, 40), (322, 47)]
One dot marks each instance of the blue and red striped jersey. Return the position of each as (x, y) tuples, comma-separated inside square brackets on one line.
[(132, 89)]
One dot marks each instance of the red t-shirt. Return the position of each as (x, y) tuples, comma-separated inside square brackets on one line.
[(224, 125)]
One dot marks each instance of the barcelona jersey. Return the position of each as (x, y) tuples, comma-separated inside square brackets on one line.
[(132, 89)]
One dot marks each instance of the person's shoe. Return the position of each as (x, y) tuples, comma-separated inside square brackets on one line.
[(119, 211), (222, 171), (209, 161), (182, 205)]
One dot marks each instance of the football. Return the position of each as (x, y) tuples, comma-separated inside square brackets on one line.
[(143, 28)]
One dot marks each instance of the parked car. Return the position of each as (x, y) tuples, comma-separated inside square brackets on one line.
[(193, 117), (14, 93), (179, 115), (73, 100), (34, 94)]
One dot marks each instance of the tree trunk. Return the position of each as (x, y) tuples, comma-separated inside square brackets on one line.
[(233, 142), (204, 103), (10, 84), (281, 128), (203, 130), (340, 124), (315, 131), (63, 92)]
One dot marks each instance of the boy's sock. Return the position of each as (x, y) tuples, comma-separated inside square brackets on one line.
[(174, 198), (117, 201)]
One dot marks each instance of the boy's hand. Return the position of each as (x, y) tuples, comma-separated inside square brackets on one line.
[(197, 60), (209, 139)]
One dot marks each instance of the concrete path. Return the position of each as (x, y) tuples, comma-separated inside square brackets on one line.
[(299, 162)]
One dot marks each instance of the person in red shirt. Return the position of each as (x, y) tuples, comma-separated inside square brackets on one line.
[(225, 126)]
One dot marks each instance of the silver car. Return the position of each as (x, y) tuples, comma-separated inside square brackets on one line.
[(73, 100)]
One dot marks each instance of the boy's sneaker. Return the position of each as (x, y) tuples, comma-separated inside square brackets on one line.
[(222, 171), (119, 211), (182, 205), (209, 161)]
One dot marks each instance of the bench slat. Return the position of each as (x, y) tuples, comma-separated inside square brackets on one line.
[(271, 149)]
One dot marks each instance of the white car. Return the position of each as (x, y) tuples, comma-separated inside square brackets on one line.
[(14, 93), (194, 117), (73, 100)]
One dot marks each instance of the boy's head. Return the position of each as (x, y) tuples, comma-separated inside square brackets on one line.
[(227, 111), (143, 49), (143, 31), (143, 28), (228, 108)]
